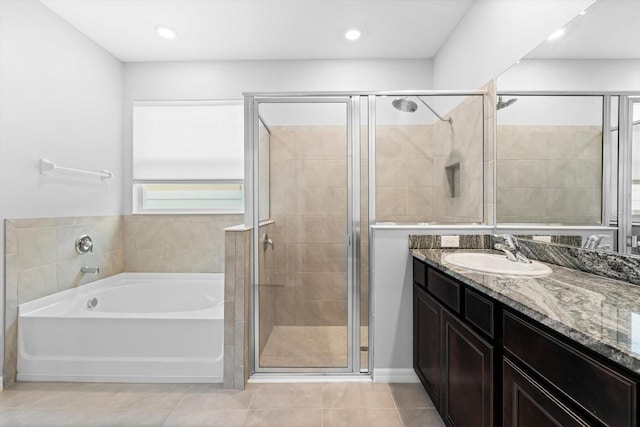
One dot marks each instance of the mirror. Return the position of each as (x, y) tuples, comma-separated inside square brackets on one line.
[(557, 152)]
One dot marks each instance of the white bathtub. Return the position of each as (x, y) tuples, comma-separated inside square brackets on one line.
[(144, 328)]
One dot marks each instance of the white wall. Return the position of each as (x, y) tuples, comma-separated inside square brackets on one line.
[(591, 75), (229, 79), (61, 99), (494, 34), (572, 75), (392, 274)]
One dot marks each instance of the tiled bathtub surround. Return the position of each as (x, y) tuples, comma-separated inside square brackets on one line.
[(40, 256), (176, 243), (549, 174), (40, 260), (237, 278)]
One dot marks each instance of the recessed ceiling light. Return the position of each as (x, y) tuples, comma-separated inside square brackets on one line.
[(165, 32), (352, 34), (556, 34)]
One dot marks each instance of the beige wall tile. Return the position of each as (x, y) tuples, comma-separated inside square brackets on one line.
[(36, 247), (36, 282), (10, 238)]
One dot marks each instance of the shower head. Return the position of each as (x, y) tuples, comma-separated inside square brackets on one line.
[(504, 104), (404, 104), (408, 106)]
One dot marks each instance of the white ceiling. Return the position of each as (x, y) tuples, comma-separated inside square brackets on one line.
[(264, 29), (609, 30)]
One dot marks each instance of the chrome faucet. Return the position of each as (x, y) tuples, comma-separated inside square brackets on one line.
[(594, 242), (92, 270), (511, 248)]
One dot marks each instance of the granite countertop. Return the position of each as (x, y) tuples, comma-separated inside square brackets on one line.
[(600, 313)]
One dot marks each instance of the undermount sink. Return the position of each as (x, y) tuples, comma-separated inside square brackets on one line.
[(496, 264)]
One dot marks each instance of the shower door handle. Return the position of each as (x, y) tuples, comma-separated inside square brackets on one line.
[(267, 242)]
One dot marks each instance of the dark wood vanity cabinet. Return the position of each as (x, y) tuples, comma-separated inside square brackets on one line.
[(468, 375), (454, 363), (528, 404), (427, 355), (483, 364)]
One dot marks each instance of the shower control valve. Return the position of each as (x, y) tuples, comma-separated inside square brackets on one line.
[(84, 244)]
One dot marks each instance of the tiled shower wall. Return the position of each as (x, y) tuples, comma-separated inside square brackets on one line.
[(40, 260), (309, 208), (411, 168), (40, 256), (549, 174), (404, 173), (459, 143)]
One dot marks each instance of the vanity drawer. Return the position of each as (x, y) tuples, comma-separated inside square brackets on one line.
[(607, 395), (419, 273), (479, 311), (446, 290)]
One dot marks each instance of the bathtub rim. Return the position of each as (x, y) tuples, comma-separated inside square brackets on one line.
[(26, 308)]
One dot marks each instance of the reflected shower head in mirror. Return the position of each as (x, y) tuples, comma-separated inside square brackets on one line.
[(404, 104), (408, 106), (504, 104)]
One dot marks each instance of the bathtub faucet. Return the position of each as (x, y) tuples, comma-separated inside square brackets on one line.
[(92, 270)]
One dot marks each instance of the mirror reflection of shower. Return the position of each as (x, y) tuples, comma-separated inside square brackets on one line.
[(408, 106), (504, 104)]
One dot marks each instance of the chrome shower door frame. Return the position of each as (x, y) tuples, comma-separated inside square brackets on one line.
[(352, 237)]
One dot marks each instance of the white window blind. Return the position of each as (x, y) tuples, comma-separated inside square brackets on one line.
[(188, 141)]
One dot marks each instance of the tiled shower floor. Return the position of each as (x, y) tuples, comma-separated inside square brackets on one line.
[(309, 346), (196, 405)]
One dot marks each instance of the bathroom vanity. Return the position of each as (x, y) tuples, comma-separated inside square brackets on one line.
[(525, 351)]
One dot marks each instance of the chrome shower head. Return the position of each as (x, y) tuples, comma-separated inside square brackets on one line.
[(404, 104), (504, 104)]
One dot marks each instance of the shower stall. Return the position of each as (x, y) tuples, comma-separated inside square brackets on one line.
[(312, 194)]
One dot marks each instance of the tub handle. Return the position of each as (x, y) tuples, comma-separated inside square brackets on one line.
[(84, 244), (92, 303)]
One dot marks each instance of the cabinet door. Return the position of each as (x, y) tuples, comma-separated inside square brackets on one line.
[(427, 359), (468, 398), (527, 404)]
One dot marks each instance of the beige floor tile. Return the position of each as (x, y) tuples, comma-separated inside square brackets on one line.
[(128, 418), (356, 395), (410, 396), (284, 418), (40, 395), (149, 396), (205, 397), (80, 417), (420, 417), (289, 396), (359, 417), (207, 418)]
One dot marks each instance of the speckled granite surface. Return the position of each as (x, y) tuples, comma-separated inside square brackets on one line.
[(600, 313), (603, 263)]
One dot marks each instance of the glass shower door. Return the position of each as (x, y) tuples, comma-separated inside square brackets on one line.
[(633, 239), (305, 248)]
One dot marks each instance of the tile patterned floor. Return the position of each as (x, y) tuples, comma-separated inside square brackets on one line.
[(196, 405)]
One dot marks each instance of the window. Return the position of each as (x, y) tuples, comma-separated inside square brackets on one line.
[(188, 157)]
